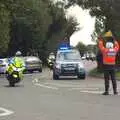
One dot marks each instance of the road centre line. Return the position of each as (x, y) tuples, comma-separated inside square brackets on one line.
[(45, 86), (63, 84), (73, 86), (5, 112)]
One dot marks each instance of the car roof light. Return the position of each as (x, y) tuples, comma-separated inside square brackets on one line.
[(64, 46)]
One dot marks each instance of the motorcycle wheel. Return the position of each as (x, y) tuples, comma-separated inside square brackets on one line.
[(11, 83)]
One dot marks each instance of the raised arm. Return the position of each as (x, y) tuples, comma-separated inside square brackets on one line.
[(116, 46), (100, 44)]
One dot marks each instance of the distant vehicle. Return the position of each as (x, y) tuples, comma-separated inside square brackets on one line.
[(68, 63), (83, 57), (88, 56), (3, 65), (33, 63), (92, 57), (51, 63)]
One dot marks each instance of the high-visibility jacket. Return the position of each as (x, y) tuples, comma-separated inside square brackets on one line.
[(109, 55), (17, 62)]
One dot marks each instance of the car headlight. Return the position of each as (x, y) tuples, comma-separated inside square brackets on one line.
[(57, 65), (80, 66)]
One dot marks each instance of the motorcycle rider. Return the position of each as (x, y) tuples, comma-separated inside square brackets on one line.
[(109, 53), (16, 61), (51, 59)]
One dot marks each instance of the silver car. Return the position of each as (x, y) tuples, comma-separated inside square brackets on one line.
[(3, 65), (68, 63), (33, 63)]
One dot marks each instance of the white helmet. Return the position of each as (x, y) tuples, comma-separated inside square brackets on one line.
[(51, 53), (18, 53), (109, 45)]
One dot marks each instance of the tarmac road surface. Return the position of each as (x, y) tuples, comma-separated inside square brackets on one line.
[(39, 97)]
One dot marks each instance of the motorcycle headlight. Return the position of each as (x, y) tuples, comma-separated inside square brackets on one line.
[(15, 76)]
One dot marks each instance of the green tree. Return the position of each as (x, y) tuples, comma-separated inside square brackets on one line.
[(82, 48), (29, 25), (106, 12), (4, 29), (33, 25), (61, 26)]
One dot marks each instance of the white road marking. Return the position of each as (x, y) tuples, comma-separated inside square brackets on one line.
[(35, 80), (73, 86), (96, 92), (66, 84), (62, 84), (5, 112), (42, 85), (84, 88), (93, 92)]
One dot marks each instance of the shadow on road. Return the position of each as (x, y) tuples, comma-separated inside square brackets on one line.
[(7, 86), (70, 79)]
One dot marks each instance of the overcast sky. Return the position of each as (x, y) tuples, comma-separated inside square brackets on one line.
[(86, 23)]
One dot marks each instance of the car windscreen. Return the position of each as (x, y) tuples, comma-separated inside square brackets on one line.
[(71, 55)]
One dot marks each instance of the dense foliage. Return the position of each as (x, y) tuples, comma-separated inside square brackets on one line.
[(33, 26)]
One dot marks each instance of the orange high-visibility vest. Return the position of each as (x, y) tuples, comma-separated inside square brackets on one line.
[(109, 55)]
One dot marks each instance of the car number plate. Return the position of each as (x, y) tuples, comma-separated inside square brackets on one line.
[(69, 68)]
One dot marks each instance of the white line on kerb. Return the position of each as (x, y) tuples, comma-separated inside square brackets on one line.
[(50, 87), (5, 112)]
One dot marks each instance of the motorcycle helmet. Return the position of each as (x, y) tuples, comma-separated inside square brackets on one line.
[(18, 53)]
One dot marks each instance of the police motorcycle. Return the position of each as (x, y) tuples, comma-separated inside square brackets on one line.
[(51, 63), (51, 60), (14, 74)]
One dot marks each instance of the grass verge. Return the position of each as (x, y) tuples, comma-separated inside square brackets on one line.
[(97, 73)]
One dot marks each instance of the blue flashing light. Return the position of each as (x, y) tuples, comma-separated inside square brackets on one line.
[(64, 46)]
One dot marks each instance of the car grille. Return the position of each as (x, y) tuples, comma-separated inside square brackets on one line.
[(69, 68), (69, 65)]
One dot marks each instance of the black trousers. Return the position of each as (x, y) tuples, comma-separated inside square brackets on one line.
[(110, 74)]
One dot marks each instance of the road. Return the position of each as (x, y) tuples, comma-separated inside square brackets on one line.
[(39, 97)]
